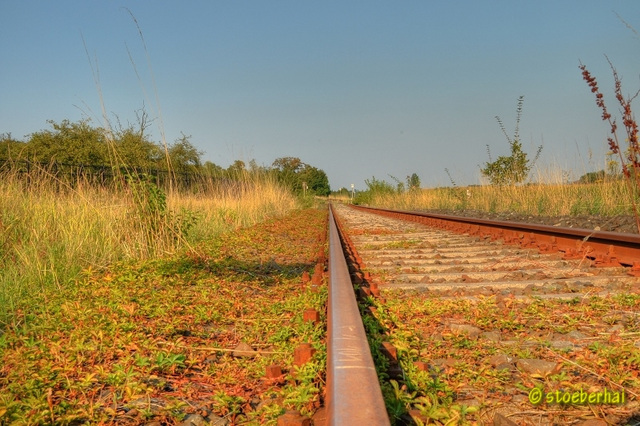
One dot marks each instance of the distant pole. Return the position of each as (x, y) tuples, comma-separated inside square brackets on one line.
[(304, 189), (353, 191)]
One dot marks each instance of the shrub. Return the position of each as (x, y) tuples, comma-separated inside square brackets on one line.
[(514, 168)]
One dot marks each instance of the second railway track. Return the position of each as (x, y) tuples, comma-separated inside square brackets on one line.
[(469, 325), (401, 254)]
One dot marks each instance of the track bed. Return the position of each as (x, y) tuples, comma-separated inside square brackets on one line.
[(470, 329)]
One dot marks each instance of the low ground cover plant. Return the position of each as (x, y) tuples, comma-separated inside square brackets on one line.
[(463, 361), (189, 334)]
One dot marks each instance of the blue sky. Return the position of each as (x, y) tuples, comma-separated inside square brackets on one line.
[(356, 88)]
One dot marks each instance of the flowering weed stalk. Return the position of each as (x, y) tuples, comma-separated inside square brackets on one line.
[(629, 158)]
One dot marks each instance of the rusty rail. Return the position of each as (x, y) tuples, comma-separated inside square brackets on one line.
[(603, 248), (353, 391)]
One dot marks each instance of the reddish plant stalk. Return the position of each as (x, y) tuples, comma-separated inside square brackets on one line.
[(631, 164)]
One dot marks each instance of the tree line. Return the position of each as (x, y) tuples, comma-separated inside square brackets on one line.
[(82, 144)]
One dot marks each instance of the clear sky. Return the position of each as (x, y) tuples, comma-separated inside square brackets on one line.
[(356, 88)]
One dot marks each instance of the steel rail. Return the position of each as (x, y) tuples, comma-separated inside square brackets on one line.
[(353, 390), (604, 248)]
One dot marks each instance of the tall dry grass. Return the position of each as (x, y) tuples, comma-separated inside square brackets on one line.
[(609, 197), (221, 206), (50, 230)]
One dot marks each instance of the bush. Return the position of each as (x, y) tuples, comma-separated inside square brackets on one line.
[(514, 168)]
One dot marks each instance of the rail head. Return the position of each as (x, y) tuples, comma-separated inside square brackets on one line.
[(353, 390)]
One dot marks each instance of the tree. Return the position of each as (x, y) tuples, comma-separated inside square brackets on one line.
[(294, 174), (184, 156), (10, 148), (132, 147), (254, 167), (514, 168), (286, 170), (236, 169), (69, 143), (316, 180), (135, 150), (413, 182), (375, 188), (212, 169), (592, 177), (288, 164)]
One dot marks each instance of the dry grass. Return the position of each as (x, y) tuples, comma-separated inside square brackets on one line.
[(50, 231), (606, 198), (248, 201)]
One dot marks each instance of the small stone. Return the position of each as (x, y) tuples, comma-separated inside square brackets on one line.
[(436, 337), (520, 399), (562, 345), (364, 292), (243, 350), (389, 351), (576, 335), (303, 354), (492, 336), (616, 328), (311, 315), (502, 420), (505, 366), (216, 420), (293, 418), (467, 279), (499, 359), (421, 365), (593, 422), (484, 291), (443, 362), (273, 371), (152, 405), (320, 416), (538, 366), (193, 420), (471, 331), (270, 401)]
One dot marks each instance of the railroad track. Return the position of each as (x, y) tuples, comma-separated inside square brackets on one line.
[(396, 260)]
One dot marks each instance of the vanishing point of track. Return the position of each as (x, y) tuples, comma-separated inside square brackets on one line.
[(451, 257)]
